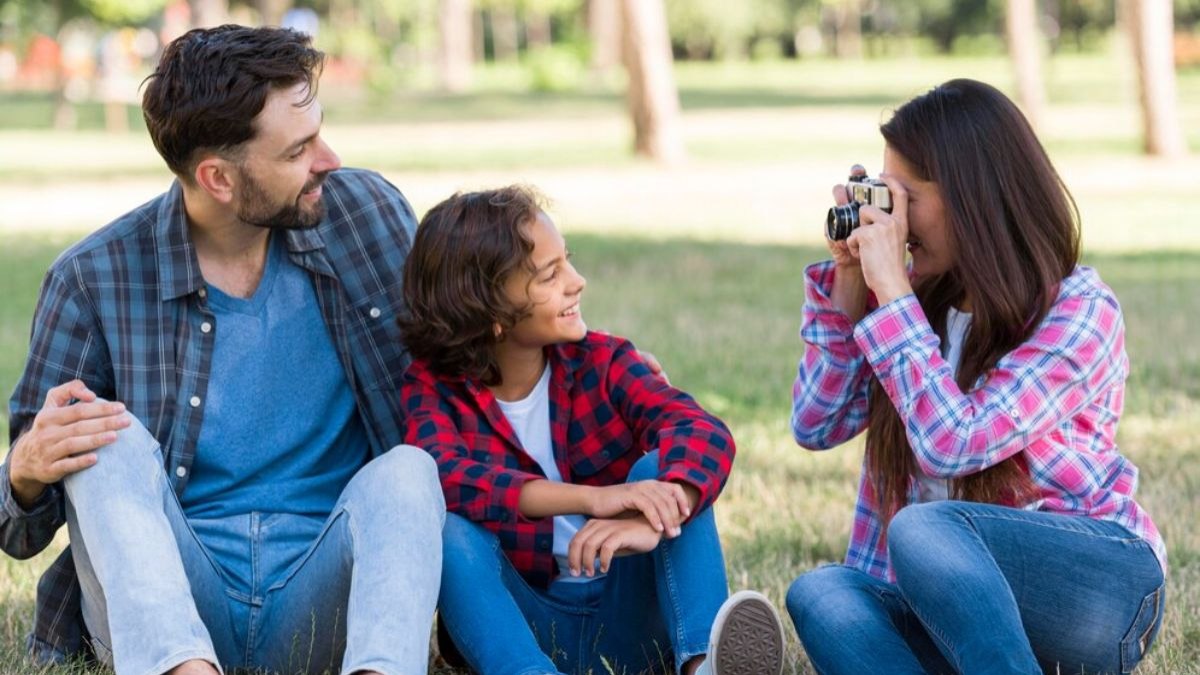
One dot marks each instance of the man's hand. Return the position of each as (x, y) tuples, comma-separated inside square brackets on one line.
[(654, 366), (664, 505), (605, 538), (62, 439)]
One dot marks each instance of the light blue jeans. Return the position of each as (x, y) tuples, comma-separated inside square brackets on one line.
[(651, 612), (986, 589), (363, 594)]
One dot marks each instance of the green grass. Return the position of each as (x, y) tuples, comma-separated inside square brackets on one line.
[(723, 317)]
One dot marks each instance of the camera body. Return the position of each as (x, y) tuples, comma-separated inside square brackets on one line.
[(842, 220)]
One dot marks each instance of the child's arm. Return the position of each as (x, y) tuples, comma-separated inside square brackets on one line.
[(479, 490), (695, 449)]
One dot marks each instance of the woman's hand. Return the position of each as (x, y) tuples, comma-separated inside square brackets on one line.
[(603, 539), (664, 505), (838, 249), (849, 292), (880, 244)]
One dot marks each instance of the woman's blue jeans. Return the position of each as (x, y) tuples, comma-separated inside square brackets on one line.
[(650, 612), (986, 589)]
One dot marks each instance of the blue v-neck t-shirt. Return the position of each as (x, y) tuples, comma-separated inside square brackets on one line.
[(281, 435)]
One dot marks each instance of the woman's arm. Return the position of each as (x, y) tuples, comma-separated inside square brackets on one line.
[(1076, 354), (829, 396)]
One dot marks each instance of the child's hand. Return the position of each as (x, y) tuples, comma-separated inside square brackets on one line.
[(664, 505), (604, 539)]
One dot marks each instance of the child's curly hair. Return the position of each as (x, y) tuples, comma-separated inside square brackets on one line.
[(465, 250)]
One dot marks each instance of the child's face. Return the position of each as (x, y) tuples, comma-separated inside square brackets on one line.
[(553, 290)]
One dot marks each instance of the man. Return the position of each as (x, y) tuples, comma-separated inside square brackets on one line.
[(210, 404)]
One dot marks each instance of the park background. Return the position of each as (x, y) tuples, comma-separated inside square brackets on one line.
[(688, 147)]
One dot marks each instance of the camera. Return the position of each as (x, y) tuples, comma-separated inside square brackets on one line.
[(842, 220)]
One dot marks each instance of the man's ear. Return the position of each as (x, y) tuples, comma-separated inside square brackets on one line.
[(218, 177)]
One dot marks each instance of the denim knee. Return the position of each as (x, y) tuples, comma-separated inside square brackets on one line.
[(129, 460), (819, 592), (645, 468), (915, 530), (405, 477)]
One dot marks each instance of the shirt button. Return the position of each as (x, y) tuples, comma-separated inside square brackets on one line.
[(203, 292), (375, 312), (180, 471), (195, 401), (1014, 412), (206, 327)]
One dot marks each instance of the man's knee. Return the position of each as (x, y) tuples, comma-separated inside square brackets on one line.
[(132, 459), (408, 477)]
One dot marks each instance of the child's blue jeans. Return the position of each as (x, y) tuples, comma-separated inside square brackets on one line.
[(650, 612)]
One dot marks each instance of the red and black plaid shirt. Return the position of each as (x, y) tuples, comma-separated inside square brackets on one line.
[(606, 410)]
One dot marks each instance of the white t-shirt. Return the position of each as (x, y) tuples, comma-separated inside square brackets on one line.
[(957, 324), (530, 420)]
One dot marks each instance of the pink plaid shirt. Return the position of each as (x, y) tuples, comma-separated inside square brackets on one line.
[(1055, 400)]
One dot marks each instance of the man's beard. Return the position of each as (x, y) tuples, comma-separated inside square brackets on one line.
[(255, 208)]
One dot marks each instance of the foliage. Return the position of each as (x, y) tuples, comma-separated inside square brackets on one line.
[(118, 12)]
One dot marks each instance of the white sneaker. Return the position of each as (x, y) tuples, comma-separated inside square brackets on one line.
[(746, 637)]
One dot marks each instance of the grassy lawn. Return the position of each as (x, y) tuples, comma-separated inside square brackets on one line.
[(701, 266)]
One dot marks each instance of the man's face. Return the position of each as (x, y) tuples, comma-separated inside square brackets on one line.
[(281, 172)]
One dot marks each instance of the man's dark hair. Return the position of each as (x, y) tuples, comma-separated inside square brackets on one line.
[(466, 249), (211, 83)]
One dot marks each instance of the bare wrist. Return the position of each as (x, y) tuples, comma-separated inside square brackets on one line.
[(26, 492)]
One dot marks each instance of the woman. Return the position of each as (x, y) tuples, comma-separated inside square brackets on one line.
[(996, 529)]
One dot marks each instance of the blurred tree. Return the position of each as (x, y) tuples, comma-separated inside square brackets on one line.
[(1025, 49), (945, 20), (652, 96), (710, 29), (455, 48), (847, 27), (1084, 21), (270, 12), (209, 13), (604, 30), (123, 12), (1151, 27)]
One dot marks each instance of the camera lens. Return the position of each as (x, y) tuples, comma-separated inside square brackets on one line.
[(841, 221)]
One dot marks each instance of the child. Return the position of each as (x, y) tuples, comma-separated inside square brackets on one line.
[(579, 483)]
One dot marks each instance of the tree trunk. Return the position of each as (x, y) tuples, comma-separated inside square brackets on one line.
[(653, 98), (209, 13), (506, 34), (454, 62), (1025, 49), (604, 27), (537, 30), (1151, 24), (849, 30), (270, 12)]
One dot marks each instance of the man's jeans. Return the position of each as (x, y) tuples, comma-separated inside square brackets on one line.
[(651, 611), (362, 595), (986, 589)]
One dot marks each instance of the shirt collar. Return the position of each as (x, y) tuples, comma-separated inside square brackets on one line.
[(178, 267)]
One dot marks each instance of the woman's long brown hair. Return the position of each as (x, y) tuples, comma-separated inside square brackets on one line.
[(1015, 230)]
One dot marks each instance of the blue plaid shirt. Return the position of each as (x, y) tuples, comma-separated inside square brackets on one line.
[(126, 311)]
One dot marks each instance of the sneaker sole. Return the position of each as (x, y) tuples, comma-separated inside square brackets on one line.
[(751, 637)]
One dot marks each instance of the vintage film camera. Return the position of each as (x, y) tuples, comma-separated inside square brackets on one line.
[(842, 220)]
